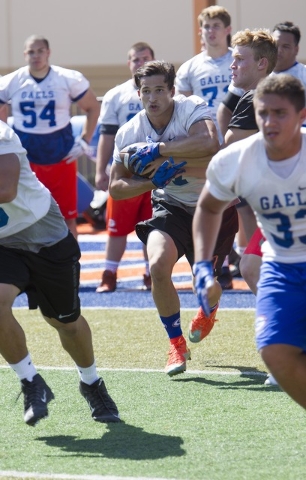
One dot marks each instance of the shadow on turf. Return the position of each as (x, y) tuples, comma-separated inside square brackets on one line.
[(249, 378), (120, 441)]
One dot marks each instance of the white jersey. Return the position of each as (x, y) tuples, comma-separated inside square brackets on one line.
[(298, 70), (41, 110), (242, 169), (187, 111), (206, 77), (33, 199), (120, 104)]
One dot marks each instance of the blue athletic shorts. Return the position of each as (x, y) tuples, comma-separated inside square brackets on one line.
[(281, 305)]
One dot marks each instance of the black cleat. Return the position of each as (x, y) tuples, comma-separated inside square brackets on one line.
[(225, 279), (37, 395), (102, 407)]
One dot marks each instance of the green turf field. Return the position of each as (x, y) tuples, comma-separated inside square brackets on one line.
[(217, 421)]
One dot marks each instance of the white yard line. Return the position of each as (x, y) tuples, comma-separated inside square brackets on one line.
[(54, 476), (152, 370)]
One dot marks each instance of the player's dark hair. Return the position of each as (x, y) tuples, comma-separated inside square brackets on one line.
[(139, 47), (261, 42), (289, 27), (34, 37), (284, 85), (156, 67)]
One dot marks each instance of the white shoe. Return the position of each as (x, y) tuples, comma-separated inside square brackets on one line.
[(270, 380)]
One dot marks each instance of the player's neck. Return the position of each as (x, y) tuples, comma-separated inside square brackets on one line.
[(278, 154), (216, 52), (160, 122), (42, 73)]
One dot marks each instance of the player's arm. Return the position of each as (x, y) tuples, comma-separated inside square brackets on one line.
[(104, 153), (202, 141), (209, 209), (226, 109), (91, 107), (9, 177), (224, 115), (122, 184), (234, 134), (187, 93), (3, 112)]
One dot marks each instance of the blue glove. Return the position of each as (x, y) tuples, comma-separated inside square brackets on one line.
[(166, 172), (143, 156), (204, 279)]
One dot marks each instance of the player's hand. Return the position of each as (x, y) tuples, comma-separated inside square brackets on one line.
[(102, 181), (204, 279), (166, 172), (143, 156), (79, 148)]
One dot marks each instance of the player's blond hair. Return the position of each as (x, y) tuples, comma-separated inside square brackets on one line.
[(215, 11), (261, 42)]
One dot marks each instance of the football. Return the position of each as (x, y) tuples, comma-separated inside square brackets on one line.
[(128, 151)]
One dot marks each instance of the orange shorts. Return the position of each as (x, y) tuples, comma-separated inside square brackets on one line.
[(254, 245), (61, 179), (122, 215)]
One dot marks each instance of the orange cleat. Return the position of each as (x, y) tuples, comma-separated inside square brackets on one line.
[(201, 325), (178, 354)]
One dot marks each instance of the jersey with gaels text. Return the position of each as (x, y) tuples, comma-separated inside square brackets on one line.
[(119, 105), (41, 110), (207, 77), (279, 202)]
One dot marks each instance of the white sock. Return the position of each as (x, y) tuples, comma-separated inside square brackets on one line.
[(24, 369), (147, 269), (112, 266), (225, 263), (88, 375)]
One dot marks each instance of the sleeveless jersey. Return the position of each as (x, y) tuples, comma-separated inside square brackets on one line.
[(242, 169), (33, 199), (187, 110)]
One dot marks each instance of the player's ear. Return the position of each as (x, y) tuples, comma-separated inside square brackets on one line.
[(263, 63), (303, 116), (172, 91)]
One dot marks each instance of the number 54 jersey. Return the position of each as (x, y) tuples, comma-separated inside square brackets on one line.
[(42, 107)]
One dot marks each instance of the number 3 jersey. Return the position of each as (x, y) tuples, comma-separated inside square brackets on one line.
[(243, 169), (41, 110)]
